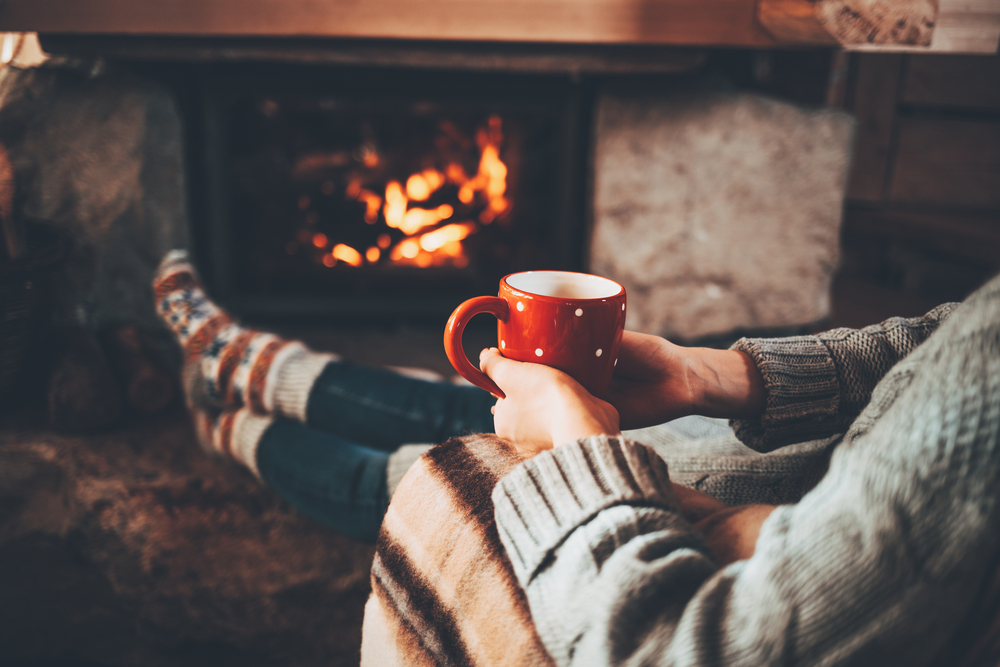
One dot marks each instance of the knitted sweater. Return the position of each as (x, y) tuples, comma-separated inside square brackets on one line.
[(879, 564)]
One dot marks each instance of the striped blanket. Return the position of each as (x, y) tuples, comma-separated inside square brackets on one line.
[(444, 592)]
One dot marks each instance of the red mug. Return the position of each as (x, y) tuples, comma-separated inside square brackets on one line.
[(570, 321)]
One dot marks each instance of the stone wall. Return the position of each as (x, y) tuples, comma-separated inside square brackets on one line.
[(719, 211), (99, 153)]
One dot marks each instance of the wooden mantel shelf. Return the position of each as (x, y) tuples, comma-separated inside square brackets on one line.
[(965, 25), (680, 22)]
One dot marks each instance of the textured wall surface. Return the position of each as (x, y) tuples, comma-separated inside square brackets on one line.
[(99, 153), (718, 211)]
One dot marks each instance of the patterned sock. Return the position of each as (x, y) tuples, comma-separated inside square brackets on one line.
[(226, 365), (233, 434)]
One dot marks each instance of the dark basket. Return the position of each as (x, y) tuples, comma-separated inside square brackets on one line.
[(23, 297)]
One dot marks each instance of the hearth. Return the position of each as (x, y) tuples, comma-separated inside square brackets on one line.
[(330, 192)]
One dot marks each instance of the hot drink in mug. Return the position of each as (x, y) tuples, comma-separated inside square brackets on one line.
[(570, 321)]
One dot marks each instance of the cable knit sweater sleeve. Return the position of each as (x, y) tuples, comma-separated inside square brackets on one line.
[(817, 385), (878, 565)]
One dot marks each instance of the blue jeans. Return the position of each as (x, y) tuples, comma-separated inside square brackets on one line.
[(333, 467)]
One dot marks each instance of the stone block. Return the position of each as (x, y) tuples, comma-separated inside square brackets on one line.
[(98, 152), (718, 211)]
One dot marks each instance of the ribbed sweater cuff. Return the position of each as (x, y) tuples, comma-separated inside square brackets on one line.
[(545, 498), (802, 391)]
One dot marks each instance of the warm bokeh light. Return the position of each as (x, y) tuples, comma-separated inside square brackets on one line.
[(346, 253), (431, 241), (372, 205), (421, 186), (319, 240), (395, 204), (372, 254)]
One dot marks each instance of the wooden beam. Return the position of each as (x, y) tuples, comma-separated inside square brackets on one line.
[(475, 56), (973, 236), (681, 22), (875, 96)]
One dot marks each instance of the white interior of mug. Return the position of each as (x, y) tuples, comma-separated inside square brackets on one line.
[(564, 284)]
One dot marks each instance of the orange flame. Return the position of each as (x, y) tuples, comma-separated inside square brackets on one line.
[(346, 253), (427, 241)]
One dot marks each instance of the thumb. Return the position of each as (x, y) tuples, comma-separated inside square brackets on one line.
[(498, 367)]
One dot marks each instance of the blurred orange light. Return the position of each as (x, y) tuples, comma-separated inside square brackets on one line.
[(417, 188), (346, 253), (329, 260), (456, 174), (395, 204), (319, 240), (384, 241), (372, 254)]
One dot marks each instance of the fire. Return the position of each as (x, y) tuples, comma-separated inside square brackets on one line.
[(346, 253), (421, 186), (434, 248), (422, 207)]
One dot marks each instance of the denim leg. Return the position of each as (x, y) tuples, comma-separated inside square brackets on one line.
[(383, 409), (337, 482)]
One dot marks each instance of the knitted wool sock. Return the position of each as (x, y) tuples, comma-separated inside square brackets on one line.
[(234, 434), (226, 365)]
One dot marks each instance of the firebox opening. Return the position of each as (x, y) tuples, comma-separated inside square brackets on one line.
[(386, 194)]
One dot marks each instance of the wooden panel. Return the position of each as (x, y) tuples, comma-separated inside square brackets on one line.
[(967, 26), (954, 162), (482, 56), (703, 22), (972, 236), (875, 107), (971, 82)]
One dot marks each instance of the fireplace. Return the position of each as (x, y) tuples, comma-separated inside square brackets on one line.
[(332, 192)]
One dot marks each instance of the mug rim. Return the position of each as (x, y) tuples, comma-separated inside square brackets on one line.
[(619, 293)]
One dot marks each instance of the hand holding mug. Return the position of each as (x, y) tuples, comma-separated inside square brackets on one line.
[(569, 321), (543, 406)]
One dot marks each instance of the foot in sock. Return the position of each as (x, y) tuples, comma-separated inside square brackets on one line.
[(233, 433), (225, 364)]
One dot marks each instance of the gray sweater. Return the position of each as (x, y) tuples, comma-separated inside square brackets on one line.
[(879, 564)]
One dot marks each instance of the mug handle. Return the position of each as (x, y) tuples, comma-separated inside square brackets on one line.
[(453, 331)]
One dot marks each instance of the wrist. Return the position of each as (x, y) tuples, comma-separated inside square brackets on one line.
[(724, 383), (581, 416)]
